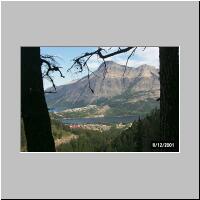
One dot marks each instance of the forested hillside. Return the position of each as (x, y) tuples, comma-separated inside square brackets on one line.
[(136, 138)]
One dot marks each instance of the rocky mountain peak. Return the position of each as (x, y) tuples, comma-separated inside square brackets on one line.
[(141, 79), (147, 71), (145, 67), (109, 65), (113, 69)]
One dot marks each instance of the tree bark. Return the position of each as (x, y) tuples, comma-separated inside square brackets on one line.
[(169, 96), (34, 109)]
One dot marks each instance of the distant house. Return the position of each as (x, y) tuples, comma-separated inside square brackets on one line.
[(74, 126)]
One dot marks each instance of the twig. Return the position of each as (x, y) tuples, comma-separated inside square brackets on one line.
[(52, 66), (81, 61)]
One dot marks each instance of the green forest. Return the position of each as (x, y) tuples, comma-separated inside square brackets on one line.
[(136, 138)]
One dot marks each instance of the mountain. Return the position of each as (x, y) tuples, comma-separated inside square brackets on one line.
[(120, 88)]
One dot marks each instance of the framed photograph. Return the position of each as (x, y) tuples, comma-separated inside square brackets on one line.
[(100, 99)]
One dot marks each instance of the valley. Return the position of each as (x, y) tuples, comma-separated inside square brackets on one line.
[(95, 122), (117, 94)]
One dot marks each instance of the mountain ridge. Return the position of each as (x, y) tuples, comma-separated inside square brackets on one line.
[(135, 85)]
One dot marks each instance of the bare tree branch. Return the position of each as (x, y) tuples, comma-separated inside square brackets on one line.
[(79, 61), (82, 61), (51, 66), (89, 79), (113, 53), (49, 92), (51, 79), (105, 69), (131, 54)]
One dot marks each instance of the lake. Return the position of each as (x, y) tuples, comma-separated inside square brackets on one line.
[(101, 120)]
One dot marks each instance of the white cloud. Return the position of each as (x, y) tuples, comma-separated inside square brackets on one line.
[(148, 56)]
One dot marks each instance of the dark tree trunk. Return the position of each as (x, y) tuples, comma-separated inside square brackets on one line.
[(169, 97), (34, 109)]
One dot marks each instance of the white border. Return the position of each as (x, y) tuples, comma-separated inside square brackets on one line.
[(156, 152)]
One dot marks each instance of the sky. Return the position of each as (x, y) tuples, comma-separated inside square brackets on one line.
[(65, 55)]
